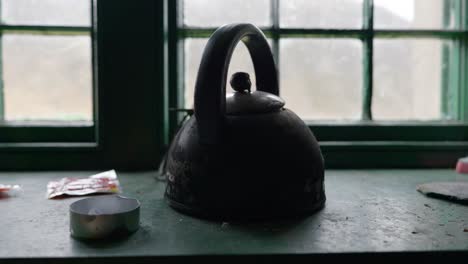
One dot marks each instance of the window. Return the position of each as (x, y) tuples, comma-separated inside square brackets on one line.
[(46, 71), (83, 84), (382, 81), (143, 58)]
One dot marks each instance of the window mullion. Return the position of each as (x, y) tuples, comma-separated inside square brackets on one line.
[(275, 16), (2, 98), (446, 58), (456, 90), (368, 42), (176, 40), (45, 30), (463, 82), (450, 86), (463, 67)]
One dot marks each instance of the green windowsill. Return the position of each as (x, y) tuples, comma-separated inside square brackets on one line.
[(369, 213)]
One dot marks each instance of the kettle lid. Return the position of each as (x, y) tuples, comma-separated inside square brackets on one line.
[(243, 101)]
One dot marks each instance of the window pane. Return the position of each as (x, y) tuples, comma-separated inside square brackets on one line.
[(47, 77), (321, 78), (47, 12), (321, 14), (240, 61), (209, 13), (414, 14), (407, 79)]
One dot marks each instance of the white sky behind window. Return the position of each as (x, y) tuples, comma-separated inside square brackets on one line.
[(401, 8)]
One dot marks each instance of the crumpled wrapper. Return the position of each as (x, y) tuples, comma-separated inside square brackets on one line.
[(105, 182), (462, 165), (9, 189)]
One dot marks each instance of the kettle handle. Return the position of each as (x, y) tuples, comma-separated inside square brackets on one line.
[(210, 87)]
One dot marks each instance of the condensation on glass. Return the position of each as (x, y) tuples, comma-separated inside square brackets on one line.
[(240, 61), (47, 12), (408, 79), (415, 14), (47, 77), (321, 14), (209, 13), (321, 79)]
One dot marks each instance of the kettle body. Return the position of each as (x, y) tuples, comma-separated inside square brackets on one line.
[(244, 156)]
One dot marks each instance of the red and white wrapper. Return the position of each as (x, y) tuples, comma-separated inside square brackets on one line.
[(9, 189), (105, 182), (462, 165)]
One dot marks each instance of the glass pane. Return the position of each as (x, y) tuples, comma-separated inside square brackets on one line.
[(47, 12), (414, 14), (240, 61), (47, 77), (321, 14), (407, 79), (209, 13), (321, 78)]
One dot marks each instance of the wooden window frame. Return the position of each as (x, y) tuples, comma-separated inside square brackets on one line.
[(129, 69), (138, 65)]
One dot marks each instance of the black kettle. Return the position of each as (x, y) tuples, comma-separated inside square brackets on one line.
[(243, 156)]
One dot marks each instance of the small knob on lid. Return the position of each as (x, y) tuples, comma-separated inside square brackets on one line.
[(240, 82)]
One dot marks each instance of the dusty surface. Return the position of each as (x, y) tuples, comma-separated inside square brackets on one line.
[(366, 211)]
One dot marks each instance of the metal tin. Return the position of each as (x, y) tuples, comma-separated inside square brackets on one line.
[(103, 216)]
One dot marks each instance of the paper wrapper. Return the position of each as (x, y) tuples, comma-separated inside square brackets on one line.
[(105, 182), (462, 165), (8, 187), (9, 190)]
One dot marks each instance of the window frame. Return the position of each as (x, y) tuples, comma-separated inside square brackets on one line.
[(129, 79), (366, 143), (132, 77), (41, 131)]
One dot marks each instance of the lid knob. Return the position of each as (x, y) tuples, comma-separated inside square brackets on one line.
[(240, 82)]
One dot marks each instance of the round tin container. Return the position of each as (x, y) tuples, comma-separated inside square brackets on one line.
[(103, 216)]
